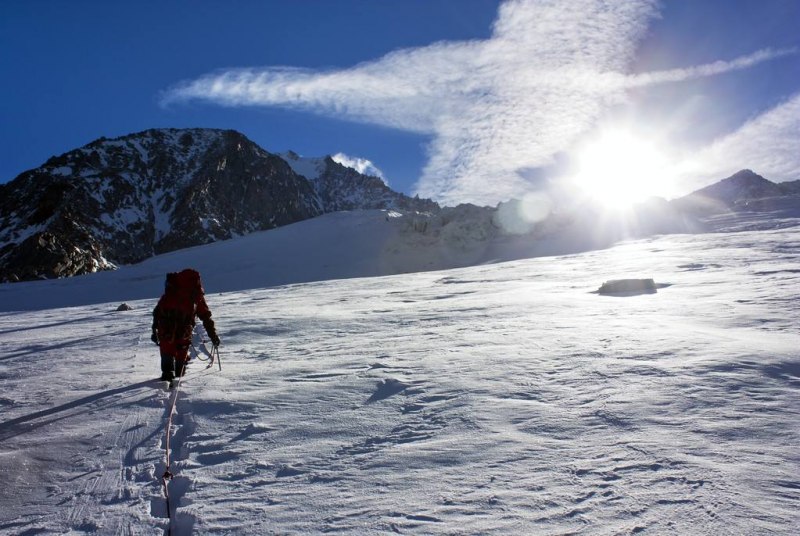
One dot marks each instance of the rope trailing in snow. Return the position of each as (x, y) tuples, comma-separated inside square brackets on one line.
[(213, 356), (167, 476)]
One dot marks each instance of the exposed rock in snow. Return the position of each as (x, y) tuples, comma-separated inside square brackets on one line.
[(628, 287)]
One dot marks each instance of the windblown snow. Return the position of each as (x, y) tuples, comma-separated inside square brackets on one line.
[(490, 399)]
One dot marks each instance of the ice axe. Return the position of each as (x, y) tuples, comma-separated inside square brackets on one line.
[(215, 357)]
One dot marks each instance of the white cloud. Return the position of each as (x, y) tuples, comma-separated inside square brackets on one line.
[(710, 69), (362, 165), (493, 107), (769, 144)]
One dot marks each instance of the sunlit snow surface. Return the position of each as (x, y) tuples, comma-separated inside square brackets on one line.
[(503, 398)]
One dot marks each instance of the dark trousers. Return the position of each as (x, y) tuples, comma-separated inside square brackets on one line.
[(174, 355)]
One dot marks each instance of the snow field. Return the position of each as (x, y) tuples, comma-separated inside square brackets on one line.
[(503, 398)]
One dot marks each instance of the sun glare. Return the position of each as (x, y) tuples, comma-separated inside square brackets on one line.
[(619, 169)]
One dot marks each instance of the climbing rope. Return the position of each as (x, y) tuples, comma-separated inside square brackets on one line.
[(213, 355), (167, 476)]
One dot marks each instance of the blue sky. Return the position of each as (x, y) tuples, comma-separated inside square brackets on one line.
[(460, 100)]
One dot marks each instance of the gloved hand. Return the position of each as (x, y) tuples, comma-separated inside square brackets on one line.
[(211, 330), (214, 338), (154, 337)]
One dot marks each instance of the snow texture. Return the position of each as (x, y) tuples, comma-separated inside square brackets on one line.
[(498, 398), (309, 167)]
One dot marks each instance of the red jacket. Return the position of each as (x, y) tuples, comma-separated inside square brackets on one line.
[(182, 302)]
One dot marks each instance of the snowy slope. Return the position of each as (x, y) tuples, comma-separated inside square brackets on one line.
[(336, 246), (503, 398), (309, 167)]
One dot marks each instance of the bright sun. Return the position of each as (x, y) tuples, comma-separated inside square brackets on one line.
[(618, 169)]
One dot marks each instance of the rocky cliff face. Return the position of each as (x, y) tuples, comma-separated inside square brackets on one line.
[(120, 201)]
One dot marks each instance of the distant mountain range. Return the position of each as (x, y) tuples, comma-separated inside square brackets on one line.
[(122, 200)]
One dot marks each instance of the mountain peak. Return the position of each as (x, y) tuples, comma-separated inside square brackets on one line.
[(731, 193), (745, 175), (122, 200), (741, 186)]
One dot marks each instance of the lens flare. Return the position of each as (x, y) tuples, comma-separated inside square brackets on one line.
[(520, 216), (618, 169)]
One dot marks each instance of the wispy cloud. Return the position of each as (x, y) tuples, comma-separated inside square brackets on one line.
[(362, 165), (494, 107), (710, 69), (769, 144)]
